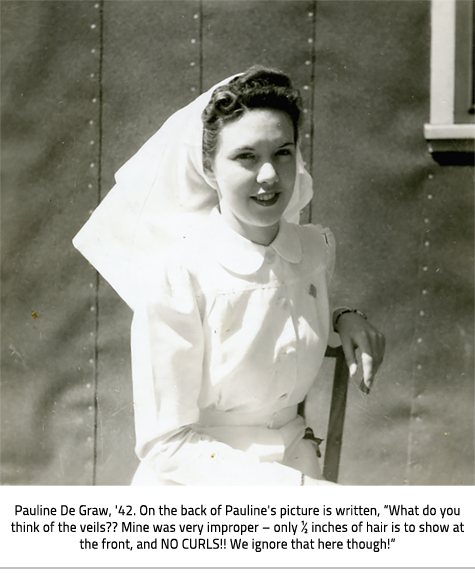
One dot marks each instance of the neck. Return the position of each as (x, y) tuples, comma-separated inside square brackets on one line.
[(254, 233)]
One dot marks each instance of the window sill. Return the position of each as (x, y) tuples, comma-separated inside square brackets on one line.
[(455, 143), (449, 132)]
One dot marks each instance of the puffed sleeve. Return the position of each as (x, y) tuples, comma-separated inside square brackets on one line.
[(330, 254), (167, 364)]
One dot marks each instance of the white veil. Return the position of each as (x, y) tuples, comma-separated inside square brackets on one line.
[(160, 195)]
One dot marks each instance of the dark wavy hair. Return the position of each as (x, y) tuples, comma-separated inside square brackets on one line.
[(258, 88)]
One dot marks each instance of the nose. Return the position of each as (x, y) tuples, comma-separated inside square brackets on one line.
[(267, 174)]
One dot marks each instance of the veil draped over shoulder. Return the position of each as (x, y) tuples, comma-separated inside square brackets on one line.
[(160, 196)]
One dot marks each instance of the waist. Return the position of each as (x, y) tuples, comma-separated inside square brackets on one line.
[(263, 418)]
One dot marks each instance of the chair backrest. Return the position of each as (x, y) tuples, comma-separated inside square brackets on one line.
[(336, 421)]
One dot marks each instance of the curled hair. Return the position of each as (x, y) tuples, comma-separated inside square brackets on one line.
[(258, 88)]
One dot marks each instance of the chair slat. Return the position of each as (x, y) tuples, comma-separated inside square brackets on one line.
[(336, 421)]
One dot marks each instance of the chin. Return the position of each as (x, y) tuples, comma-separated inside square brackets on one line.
[(266, 221)]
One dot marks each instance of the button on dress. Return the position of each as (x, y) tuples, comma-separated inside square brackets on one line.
[(228, 340)]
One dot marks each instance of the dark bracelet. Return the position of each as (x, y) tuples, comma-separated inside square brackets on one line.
[(343, 311)]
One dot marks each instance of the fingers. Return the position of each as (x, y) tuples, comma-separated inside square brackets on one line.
[(369, 360), (368, 372), (371, 345), (360, 334), (349, 351)]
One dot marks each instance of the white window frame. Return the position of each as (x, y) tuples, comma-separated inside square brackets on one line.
[(443, 132)]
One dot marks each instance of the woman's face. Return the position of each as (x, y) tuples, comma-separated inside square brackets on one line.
[(254, 169)]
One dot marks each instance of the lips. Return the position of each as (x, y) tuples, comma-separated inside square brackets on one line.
[(266, 199)]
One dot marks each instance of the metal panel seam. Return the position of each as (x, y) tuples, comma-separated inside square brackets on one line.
[(99, 195), (312, 104), (200, 87)]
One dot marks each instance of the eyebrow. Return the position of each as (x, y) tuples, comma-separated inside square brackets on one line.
[(247, 148)]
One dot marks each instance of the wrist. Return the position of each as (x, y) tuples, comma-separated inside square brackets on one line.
[(338, 313)]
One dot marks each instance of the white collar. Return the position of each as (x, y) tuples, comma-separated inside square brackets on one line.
[(241, 256)]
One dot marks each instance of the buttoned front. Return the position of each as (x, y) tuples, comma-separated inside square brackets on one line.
[(225, 347)]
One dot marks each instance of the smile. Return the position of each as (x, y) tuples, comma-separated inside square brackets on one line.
[(266, 199)]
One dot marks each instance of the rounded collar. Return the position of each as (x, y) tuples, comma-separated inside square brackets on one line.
[(241, 256)]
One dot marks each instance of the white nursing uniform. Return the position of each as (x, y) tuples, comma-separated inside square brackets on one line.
[(226, 343)]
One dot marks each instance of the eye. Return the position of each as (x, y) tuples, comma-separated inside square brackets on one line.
[(285, 152), (245, 156)]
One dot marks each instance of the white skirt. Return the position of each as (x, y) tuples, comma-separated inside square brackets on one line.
[(300, 456)]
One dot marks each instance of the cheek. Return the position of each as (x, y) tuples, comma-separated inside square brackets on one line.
[(289, 173), (234, 181)]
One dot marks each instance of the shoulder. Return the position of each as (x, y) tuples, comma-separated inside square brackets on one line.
[(182, 266), (316, 239), (315, 232), (165, 274), (318, 243)]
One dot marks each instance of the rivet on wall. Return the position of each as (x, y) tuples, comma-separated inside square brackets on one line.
[(308, 96), (422, 340), (196, 55), (95, 138)]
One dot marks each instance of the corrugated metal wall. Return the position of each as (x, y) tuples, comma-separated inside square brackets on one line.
[(84, 84)]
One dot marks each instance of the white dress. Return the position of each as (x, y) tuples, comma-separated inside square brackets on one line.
[(227, 341)]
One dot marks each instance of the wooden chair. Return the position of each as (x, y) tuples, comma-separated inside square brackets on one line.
[(336, 421)]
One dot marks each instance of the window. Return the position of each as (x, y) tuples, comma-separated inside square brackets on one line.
[(452, 121)]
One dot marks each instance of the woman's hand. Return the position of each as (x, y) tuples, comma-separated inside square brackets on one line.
[(358, 333)]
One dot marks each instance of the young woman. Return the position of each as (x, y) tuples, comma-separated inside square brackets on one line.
[(231, 299)]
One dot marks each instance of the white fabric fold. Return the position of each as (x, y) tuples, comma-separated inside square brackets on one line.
[(161, 196)]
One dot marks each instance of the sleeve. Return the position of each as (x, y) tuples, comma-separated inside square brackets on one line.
[(330, 256), (167, 367)]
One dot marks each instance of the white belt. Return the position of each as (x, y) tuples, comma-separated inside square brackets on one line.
[(262, 418)]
